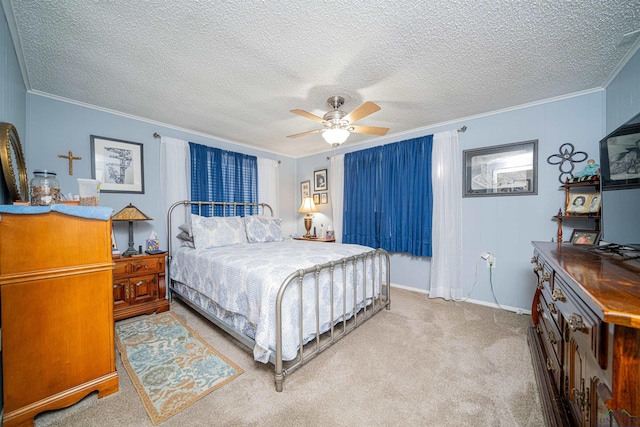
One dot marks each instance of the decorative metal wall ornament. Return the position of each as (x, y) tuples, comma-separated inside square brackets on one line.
[(565, 157)]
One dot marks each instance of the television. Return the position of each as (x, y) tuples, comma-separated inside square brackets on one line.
[(620, 184)]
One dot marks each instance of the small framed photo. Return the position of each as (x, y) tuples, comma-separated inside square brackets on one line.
[(305, 189), (323, 198), (594, 203), (320, 180), (316, 198), (578, 203), (585, 237), (501, 170), (117, 164)]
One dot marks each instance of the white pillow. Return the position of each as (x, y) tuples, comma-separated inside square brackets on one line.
[(217, 231), (261, 229)]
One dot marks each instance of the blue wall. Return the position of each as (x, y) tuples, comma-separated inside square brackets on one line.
[(55, 127), (12, 93), (505, 226)]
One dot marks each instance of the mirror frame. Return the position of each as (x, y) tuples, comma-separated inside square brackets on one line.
[(14, 175)]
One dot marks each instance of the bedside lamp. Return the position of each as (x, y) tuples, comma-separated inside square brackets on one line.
[(308, 207), (130, 213)]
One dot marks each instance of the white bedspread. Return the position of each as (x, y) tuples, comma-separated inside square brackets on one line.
[(245, 279)]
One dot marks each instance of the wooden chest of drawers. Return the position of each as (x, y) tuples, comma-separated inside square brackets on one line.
[(57, 310), (585, 338), (139, 286)]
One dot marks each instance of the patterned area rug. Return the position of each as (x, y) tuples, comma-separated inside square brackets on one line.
[(170, 366)]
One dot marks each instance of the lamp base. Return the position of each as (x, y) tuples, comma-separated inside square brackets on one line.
[(129, 252), (307, 225)]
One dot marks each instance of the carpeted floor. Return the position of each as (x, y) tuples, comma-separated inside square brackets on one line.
[(425, 362)]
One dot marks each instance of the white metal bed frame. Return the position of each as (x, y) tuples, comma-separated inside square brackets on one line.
[(322, 341)]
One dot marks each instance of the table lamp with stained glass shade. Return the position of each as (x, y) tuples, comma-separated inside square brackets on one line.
[(308, 207), (130, 213)]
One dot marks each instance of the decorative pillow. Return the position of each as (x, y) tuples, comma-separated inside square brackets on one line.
[(217, 231), (186, 227), (261, 229), (185, 239)]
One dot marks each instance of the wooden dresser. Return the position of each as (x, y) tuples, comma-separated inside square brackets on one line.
[(139, 286), (57, 309), (585, 338)]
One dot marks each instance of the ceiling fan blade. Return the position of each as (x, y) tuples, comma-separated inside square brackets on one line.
[(362, 111), (308, 115), (304, 133), (372, 130)]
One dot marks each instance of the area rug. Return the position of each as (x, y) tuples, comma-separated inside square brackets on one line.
[(169, 364)]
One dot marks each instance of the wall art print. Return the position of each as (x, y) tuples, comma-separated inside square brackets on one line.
[(117, 164)]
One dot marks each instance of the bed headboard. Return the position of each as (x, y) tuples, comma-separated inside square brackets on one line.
[(205, 209)]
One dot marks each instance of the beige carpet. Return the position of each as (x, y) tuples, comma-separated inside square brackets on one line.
[(424, 363)]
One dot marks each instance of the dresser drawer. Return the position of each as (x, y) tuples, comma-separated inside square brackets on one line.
[(577, 318), (121, 269), (149, 265)]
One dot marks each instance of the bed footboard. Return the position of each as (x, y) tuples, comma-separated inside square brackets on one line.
[(380, 286)]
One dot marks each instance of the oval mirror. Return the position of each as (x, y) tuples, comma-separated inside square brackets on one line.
[(12, 161)]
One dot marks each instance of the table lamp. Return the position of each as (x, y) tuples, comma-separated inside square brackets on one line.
[(130, 213), (308, 207)]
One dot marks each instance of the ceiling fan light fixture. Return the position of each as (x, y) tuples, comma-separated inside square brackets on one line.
[(335, 136)]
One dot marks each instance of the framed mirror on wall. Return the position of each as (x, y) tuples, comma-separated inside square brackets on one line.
[(14, 169), (501, 170)]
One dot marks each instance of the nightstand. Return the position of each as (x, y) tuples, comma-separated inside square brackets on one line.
[(315, 239), (139, 286)]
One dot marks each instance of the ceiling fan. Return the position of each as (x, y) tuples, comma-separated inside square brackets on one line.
[(338, 125)]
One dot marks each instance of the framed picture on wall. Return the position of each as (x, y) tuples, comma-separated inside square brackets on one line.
[(117, 164), (501, 170), (320, 180), (323, 198), (316, 198), (305, 189)]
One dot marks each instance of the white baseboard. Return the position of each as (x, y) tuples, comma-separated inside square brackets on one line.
[(472, 301)]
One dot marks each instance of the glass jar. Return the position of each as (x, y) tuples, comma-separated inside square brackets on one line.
[(44, 188)]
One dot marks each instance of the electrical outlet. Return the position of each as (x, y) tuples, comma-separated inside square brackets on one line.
[(491, 261)]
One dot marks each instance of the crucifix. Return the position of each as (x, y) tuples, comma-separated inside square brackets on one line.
[(71, 159)]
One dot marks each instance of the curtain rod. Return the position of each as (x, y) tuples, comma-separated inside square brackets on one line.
[(157, 135)]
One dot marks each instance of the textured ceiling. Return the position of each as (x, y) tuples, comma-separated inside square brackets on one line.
[(234, 69)]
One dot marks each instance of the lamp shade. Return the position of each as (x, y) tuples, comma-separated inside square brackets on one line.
[(307, 206), (130, 213), (335, 136)]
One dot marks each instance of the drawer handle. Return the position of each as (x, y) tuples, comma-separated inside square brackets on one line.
[(538, 307), (581, 397), (534, 260), (552, 308), (140, 283), (576, 323), (557, 295), (538, 267), (550, 365), (552, 338)]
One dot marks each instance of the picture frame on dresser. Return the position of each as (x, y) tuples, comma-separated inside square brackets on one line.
[(585, 237), (117, 164)]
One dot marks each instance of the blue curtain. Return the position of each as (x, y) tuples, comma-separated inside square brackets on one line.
[(388, 198), (222, 176)]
